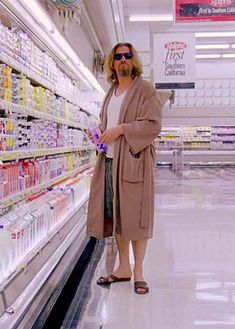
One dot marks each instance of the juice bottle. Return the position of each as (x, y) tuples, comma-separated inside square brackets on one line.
[(96, 134)]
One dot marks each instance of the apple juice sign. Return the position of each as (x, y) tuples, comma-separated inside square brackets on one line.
[(174, 61)]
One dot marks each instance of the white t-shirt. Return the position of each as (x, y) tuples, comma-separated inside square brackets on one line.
[(113, 112)]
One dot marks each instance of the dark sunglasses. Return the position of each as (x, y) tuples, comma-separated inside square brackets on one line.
[(118, 56)]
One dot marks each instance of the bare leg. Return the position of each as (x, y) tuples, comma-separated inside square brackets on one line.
[(124, 268), (139, 249)]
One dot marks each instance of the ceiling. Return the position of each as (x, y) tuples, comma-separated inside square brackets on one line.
[(141, 33), (147, 7), (153, 7)]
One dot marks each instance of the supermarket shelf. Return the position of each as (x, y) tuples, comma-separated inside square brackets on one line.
[(195, 155), (223, 134), (10, 200), (34, 76), (11, 107), (25, 154), (211, 152), (164, 152), (198, 152), (186, 141), (36, 277), (224, 141)]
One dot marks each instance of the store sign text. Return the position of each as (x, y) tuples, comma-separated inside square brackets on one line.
[(216, 10), (174, 58), (221, 3)]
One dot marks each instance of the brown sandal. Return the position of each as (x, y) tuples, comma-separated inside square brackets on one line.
[(141, 285), (106, 280)]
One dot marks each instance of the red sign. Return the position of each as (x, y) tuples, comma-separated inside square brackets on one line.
[(204, 10), (175, 45)]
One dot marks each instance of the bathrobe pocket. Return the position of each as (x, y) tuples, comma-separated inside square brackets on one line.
[(133, 167)]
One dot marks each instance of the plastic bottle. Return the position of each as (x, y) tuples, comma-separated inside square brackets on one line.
[(96, 133)]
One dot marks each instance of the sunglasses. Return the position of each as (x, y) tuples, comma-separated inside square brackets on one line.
[(118, 56)]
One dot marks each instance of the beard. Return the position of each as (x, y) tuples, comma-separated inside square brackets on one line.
[(125, 72)]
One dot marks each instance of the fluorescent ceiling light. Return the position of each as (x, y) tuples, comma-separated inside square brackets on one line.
[(218, 46), (214, 34), (233, 46), (37, 12), (204, 56), (228, 55), (150, 18)]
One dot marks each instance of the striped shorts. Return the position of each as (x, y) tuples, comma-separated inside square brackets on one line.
[(108, 198)]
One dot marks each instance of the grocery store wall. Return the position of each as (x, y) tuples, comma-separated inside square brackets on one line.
[(215, 70), (139, 36)]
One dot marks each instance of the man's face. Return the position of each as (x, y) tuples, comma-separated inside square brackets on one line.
[(123, 66)]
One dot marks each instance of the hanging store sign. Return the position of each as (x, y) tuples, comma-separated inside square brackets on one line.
[(174, 60), (204, 10)]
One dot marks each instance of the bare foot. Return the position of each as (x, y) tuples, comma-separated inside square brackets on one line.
[(122, 273), (119, 273), (138, 276)]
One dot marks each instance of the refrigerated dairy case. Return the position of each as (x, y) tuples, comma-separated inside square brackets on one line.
[(26, 290), (46, 164)]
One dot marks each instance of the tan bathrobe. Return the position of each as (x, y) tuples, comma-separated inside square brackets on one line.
[(133, 166)]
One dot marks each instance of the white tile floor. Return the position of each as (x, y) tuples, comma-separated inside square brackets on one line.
[(190, 262)]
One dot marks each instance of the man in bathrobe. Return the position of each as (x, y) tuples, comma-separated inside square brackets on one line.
[(122, 191)]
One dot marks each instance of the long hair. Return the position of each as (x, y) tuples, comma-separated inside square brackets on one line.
[(111, 74)]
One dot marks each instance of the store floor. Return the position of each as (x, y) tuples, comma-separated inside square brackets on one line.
[(190, 262)]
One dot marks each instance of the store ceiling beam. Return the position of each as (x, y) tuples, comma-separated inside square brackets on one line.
[(94, 34), (118, 16)]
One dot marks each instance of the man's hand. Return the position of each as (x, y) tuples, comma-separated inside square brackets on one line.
[(111, 135), (87, 131), (89, 135)]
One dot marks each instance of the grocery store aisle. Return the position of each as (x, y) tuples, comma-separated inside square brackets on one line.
[(190, 264)]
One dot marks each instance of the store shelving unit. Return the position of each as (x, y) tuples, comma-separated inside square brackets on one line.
[(36, 77), (223, 137), (211, 138), (12, 199), (198, 156), (20, 109), (26, 154), (25, 291), (29, 282), (193, 137), (200, 144), (204, 119)]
